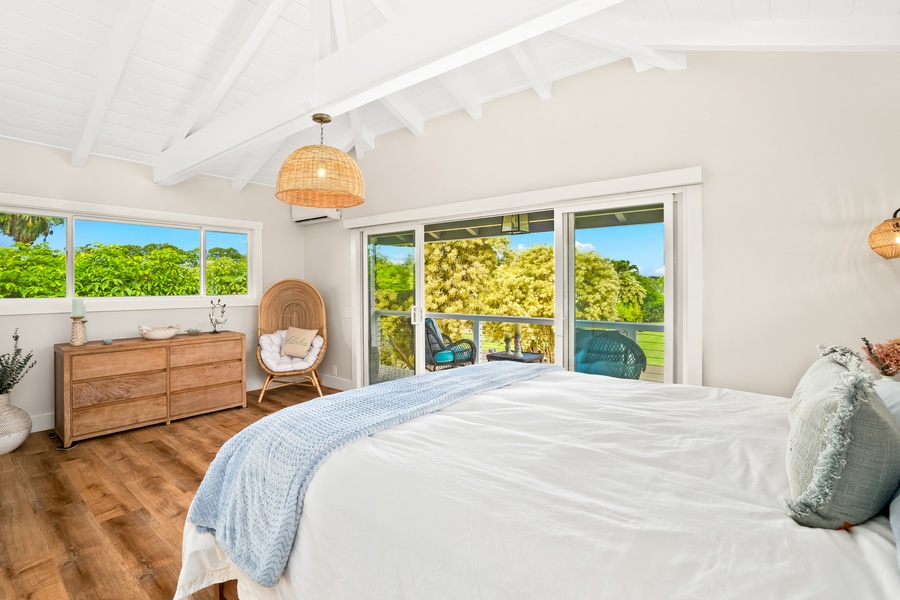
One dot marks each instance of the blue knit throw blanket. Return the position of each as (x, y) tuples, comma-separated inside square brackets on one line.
[(252, 495)]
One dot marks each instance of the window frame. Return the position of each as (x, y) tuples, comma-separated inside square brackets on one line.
[(72, 210)]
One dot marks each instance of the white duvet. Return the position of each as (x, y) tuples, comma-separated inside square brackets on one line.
[(567, 486)]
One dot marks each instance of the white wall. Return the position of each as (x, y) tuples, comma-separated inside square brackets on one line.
[(45, 172), (800, 156)]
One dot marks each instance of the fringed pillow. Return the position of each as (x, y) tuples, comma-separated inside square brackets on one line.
[(843, 456)]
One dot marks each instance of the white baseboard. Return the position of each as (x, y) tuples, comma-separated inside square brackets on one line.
[(42, 422), (338, 383)]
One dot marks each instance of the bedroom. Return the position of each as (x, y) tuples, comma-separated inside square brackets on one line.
[(797, 149)]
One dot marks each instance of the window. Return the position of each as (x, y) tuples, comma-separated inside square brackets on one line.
[(32, 256), (59, 249)]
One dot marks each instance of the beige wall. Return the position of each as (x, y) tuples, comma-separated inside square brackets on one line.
[(799, 155), (45, 172)]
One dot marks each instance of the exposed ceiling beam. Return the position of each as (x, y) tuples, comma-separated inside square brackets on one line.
[(620, 37), (232, 64), (453, 83), (363, 139), (385, 8), (536, 76), (851, 34), (320, 21), (128, 26), (251, 166), (432, 38), (405, 114), (339, 18)]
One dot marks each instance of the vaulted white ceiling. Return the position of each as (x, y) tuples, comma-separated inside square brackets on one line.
[(228, 87)]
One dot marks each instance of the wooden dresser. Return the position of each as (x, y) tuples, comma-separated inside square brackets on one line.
[(132, 382)]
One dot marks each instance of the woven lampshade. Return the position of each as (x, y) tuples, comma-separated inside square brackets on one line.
[(885, 239), (320, 176)]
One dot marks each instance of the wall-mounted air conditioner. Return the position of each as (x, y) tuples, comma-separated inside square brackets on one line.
[(307, 216)]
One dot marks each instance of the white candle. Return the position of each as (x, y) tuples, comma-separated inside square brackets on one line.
[(77, 307)]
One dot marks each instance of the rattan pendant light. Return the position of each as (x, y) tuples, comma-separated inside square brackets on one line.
[(320, 176), (885, 239)]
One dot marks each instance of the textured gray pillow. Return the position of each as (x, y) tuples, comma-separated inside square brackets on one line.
[(843, 456)]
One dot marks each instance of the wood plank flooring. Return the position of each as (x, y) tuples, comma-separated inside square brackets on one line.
[(104, 519)]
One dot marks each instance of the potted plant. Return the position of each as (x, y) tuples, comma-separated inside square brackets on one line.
[(15, 423)]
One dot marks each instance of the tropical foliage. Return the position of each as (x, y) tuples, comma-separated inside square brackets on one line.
[(37, 271), (486, 276)]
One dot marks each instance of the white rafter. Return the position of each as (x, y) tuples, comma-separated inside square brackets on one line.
[(536, 76), (619, 37), (241, 50), (320, 27), (339, 18), (363, 139), (131, 19), (405, 114), (251, 166), (852, 34), (430, 39), (453, 84), (384, 7)]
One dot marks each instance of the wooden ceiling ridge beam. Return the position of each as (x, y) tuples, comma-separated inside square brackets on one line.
[(128, 26), (621, 37), (527, 61), (232, 64), (845, 34), (430, 39)]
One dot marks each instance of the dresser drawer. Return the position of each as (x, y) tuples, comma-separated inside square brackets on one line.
[(207, 352), (104, 364), (115, 417), (204, 375), (114, 389), (207, 399)]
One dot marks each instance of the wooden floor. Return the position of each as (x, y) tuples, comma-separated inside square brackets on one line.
[(105, 518)]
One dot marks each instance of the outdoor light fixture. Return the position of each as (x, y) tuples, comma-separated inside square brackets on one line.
[(514, 224), (885, 239), (320, 176)]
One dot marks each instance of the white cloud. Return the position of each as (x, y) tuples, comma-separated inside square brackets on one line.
[(521, 247), (660, 271), (584, 247)]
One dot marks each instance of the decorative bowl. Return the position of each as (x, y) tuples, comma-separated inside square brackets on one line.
[(158, 333), (193, 331), (107, 341)]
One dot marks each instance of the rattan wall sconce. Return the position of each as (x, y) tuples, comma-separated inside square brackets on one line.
[(885, 239), (320, 176)]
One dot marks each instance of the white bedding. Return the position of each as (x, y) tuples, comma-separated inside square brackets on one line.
[(567, 486)]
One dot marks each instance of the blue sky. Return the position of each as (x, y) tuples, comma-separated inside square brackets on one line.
[(140, 235), (642, 245)]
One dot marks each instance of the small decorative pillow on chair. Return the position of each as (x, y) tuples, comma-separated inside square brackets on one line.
[(297, 342)]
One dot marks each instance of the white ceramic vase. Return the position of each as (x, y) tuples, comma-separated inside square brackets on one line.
[(15, 425)]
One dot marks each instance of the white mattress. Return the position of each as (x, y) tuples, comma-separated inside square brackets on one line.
[(567, 486)]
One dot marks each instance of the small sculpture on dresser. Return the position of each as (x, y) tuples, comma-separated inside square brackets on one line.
[(217, 315)]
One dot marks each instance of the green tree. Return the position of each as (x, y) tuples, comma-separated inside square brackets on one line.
[(26, 229), (32, 271)]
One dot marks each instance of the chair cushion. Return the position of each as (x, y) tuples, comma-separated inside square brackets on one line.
[(443, 356), (298, 341), (270, 352), (843, 457)]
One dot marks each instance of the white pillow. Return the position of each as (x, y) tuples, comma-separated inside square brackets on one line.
[(889, 390)]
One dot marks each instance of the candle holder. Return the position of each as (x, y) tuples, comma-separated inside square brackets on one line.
[(507, 340), (78, 336), (518, 352)]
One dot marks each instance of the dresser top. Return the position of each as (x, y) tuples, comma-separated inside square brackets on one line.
[(135, 343)]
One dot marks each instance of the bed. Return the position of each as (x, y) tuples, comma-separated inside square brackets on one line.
[(566, 485)]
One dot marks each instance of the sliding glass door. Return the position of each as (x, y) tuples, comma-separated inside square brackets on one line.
[(392, 305), (615, 290)]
